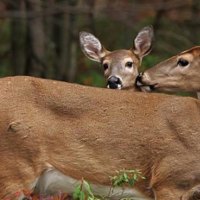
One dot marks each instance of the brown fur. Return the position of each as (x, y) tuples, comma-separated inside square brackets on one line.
[(121, 65), (116, 61), (171, 77), (90, 132)]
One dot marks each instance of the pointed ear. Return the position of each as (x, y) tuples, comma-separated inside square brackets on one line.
[(143, 41), (91, 46)]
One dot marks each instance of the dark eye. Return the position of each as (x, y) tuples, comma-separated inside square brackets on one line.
[(129, 64), (105, 66), (182, 62)]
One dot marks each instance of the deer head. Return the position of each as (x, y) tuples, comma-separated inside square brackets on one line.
[(120, 66), (178, 73)]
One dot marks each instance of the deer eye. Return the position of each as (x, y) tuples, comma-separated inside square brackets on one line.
[(182, 62), (105, 66), (129, 64)]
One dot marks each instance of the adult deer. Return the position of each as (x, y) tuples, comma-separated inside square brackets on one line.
[(80, 131), (120, 66), (178, 73)]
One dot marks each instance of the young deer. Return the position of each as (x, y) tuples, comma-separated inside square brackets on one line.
[(68, 131), (178, 73), (120, 66)]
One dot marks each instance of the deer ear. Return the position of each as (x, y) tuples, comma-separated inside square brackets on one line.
[(91, 46), (143, 41)]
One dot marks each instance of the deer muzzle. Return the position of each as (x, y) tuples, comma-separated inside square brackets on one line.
[(114, 82), (142, 83)]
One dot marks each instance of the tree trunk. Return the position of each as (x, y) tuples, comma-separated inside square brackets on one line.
[(51, 56), (37, 39), (17, 40), (73, 44)]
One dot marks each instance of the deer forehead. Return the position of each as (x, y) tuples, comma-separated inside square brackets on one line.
[(121, 56), (186, 56), (192, 53)]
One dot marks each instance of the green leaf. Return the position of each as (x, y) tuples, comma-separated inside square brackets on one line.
[(125, 177), (135, 177), (82, 196), (131, 182), (88, 188), (76, 192), (142, 177)]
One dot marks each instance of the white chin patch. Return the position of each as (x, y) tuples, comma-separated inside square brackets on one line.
[(119, 87), (139, 84), (145, 89)]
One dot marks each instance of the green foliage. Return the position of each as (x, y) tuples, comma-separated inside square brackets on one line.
[(84, 191), (149, 61), (124, 177), (91, 77), (114, 35)]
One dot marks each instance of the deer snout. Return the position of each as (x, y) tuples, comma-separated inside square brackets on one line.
[(114, 82), (138, 80), (143, 84)]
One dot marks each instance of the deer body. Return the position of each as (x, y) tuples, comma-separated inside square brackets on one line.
[(90, 132), (178, 73)]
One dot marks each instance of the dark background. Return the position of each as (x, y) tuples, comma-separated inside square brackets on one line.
[(40, 37)]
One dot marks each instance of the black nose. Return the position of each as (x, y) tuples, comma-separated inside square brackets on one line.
[(113, 82), (138, 81)]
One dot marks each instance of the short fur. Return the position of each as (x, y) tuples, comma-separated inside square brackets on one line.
[(169, 76), (90, 132)]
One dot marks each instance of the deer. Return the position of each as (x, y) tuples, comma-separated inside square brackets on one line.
[(178, 73), (120, 66), (61, 132)]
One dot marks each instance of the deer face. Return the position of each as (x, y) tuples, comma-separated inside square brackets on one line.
[(120, 66), (178, 73), (120, 69)]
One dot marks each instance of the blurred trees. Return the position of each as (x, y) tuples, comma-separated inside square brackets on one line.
[(40, 37)]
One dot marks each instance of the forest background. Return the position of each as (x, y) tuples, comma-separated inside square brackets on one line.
[(41, 37)]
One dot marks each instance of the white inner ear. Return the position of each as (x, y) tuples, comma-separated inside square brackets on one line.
[(138, 42), (141, 42), (93, 41), (92, 47)]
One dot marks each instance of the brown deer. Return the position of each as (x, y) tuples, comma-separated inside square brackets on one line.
[(70, 131), (120, 66), (178, 73)]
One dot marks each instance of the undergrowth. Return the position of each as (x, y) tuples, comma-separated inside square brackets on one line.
[(83, 191)]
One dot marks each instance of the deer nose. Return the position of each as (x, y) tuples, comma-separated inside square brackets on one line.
[(114, 82), (138, 80)]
